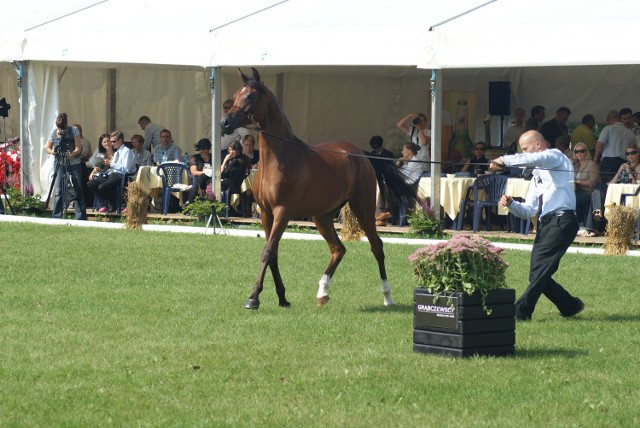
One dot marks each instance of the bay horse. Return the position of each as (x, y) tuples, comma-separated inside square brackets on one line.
[(295, 180)]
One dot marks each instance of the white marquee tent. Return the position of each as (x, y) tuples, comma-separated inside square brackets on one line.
[(341, 69)]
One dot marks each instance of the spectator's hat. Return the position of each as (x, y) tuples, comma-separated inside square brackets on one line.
[(203, 144)]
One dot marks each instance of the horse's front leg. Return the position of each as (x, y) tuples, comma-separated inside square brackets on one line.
[(274, 231)]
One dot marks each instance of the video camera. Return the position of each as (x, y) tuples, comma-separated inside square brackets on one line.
[(4, 108), (65, 145)]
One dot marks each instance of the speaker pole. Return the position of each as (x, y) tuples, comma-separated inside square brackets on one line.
[(502, 132)]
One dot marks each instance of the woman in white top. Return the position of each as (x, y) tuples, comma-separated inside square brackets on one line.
[(410, 167)]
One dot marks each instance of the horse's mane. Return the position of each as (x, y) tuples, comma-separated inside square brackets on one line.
[(258, 85)]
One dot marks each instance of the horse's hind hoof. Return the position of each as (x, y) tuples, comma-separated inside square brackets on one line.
[(321, 301), (284, 304), (252, 304)]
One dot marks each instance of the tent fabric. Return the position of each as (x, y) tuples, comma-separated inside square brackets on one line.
[(507, 33), (344, 69)]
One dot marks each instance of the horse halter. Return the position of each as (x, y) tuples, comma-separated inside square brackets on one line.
[(248, 112)]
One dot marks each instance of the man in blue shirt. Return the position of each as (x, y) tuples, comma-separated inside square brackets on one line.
[(552, 191), (123, 163)]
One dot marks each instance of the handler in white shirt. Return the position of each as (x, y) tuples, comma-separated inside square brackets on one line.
[(551, 186)]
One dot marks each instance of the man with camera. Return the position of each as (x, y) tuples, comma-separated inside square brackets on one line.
[(420, 135), (64, 143), (123, 163)]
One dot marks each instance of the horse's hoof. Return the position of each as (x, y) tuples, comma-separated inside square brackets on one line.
[(321, 301), (252, 304), (284, 304), (388, 301)]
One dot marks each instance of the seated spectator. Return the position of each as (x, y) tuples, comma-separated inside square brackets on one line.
[(196, 166), (96, 165), (586, 178), (235, 168), (478, 163), (166, 151), (142, 156), (102, 152), (628, 172), (410, 169), (123, 163), (249, 149)]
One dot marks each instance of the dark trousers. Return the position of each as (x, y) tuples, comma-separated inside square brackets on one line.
[(106, 187), (72, 192), (552, 240), (609, 167), (200, 183)]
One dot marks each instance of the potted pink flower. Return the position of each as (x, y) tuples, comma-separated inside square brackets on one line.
[(461, 305)]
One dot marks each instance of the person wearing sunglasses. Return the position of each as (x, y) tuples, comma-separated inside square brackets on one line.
[(628, 172), (477, 163), (586, 178)]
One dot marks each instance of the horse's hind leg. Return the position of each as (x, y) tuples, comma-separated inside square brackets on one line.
[(324, 223), (366, 220)]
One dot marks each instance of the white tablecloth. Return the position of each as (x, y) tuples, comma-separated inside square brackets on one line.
[(613, 196), (453, 190)]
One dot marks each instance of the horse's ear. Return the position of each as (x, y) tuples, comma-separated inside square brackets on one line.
[(256, 75), (243, 76)]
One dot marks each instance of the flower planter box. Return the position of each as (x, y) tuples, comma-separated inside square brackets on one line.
[(457, 325)]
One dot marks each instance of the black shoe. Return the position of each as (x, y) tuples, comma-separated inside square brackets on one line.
[(579, 308), (522, 317)]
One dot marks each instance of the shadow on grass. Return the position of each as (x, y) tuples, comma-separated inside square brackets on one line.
[(397, 308), (614, 318), (545, 353)]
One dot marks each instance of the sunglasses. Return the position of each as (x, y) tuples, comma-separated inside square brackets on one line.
[(580, 151), (635, 152), (482, 149)]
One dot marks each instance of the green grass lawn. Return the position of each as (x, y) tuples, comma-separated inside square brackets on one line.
[(132, 328)]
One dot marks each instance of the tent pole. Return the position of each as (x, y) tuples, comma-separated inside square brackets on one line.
[(215, 127), (22, 69), (436, 136)]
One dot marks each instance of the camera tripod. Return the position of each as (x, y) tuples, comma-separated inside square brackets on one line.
[(61, 160), (6, 199)]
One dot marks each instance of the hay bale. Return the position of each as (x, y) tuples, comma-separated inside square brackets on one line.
[(351, 230), (621, 229), (137, 206)]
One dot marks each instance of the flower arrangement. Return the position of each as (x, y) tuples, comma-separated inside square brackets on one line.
[(466, 263), (10, 162), (205, 205), (423, 221)]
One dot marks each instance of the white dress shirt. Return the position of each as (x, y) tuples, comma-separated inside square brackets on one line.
[(552, 180)]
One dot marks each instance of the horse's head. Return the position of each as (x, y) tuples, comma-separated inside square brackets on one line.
[(247, 106)]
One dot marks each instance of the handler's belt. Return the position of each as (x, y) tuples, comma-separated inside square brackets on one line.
[(553, 214)]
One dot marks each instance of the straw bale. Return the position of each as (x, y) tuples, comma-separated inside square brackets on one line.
[(351, 230), (137, 206), (621, 230)]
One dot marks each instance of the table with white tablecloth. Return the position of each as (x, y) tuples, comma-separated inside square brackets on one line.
[(453, 190), (614, 191), (151, 182)]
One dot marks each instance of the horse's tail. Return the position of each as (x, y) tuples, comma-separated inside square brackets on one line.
[(394, 189)]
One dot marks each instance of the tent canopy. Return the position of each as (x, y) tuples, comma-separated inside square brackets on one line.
[(507, 33)]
